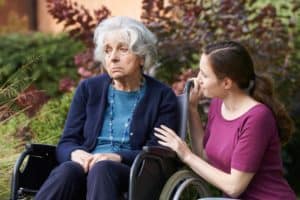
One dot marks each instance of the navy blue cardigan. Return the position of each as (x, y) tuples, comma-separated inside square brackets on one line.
[(86, 115)]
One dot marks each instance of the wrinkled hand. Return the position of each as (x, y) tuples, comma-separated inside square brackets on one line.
[(83, 158), (167, 137), (104, 156), (87, 160), (196, 93)]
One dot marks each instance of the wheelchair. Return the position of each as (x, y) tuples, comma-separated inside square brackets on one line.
[(156, 172)]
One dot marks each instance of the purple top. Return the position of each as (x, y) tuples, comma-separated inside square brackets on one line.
[(249, 143)]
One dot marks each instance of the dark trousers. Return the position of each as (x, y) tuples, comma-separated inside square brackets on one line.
[(106, 180)]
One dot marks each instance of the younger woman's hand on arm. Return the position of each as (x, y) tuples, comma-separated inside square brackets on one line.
[(167, 137)]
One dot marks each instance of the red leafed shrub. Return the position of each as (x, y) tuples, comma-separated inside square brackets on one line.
[(31, 100), (185, 26), (66, 84), (86, 65), (80, 23)]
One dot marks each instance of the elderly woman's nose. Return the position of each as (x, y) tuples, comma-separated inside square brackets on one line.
[(114, 55)]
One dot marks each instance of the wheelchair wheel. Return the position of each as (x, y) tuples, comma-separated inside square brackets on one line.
[(184, 184)]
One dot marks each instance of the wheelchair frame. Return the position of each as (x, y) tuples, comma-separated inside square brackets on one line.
[(149, 173)]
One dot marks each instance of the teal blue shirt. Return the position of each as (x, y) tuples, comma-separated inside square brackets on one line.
[(119, 111)]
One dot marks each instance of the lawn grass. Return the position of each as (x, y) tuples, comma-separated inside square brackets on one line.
[(11, 145)]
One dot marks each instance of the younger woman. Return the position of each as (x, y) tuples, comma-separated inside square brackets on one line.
[(246, 126)]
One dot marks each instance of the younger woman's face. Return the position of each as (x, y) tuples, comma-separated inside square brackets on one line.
[(211, 86)]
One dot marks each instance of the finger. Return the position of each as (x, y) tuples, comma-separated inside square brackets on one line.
[(160, 136), (194, 79), (167, 129), (102, 157), (196, 85), (80, 163), (87, 163), (91, 164), (85, 167), (170, 140), (87, 155), (162, 132), (165, 144)]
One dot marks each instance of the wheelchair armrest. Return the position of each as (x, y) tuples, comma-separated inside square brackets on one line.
[(40, 149), (160, 151), (32, 168)]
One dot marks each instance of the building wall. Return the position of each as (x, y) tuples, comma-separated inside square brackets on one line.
[(46, 23), (20, 9)]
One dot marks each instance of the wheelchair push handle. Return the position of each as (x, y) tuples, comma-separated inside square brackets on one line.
[(188, 85)]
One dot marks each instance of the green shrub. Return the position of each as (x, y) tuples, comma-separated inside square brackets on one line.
[(47, 125), (56, 58)]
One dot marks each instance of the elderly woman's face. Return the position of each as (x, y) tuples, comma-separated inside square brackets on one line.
[(120, 62)]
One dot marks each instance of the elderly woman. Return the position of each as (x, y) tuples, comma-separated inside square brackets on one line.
[(112, 116)]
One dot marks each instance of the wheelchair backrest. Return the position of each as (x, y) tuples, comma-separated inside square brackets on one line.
[(183, 103)]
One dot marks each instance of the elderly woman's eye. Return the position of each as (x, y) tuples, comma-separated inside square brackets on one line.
[(107, 50), (124, 49)]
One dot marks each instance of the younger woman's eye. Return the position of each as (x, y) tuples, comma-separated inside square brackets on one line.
[(203, 74)]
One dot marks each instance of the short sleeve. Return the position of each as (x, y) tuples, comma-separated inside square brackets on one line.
[(253, 140)]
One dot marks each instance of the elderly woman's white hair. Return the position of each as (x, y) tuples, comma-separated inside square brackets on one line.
[(141, 41)]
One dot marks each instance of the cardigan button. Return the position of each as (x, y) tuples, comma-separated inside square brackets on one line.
[(131, 134)]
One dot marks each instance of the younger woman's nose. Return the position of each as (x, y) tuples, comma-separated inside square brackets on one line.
[(199, 78)]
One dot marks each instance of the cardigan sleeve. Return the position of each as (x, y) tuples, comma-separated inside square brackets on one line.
[(72, 136), (167, 115)]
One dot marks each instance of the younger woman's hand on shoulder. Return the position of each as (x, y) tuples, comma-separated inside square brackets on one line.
[(167, 137)]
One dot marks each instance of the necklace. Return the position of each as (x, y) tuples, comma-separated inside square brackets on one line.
[(112, 116)]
